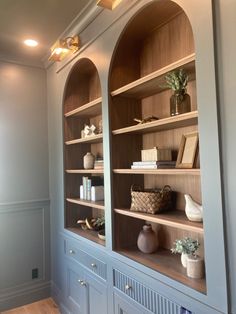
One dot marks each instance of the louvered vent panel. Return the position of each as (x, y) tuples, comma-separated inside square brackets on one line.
[(145, 296)]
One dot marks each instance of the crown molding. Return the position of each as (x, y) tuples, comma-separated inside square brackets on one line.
[(12, 60)]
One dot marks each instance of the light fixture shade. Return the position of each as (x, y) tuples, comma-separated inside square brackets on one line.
[(108, 4), (63, 47)]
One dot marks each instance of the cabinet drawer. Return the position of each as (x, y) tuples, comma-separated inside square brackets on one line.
[(145, 296), (94, 264)]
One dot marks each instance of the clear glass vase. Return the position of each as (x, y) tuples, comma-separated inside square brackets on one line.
[(179, 103)]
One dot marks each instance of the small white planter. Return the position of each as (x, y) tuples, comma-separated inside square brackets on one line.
[(195, 267), (184, 258)]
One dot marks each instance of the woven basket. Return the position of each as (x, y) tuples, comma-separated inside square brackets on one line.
[(150, 201)]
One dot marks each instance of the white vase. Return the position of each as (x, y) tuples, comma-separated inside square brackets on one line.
[(193, 210), (195, 267), (88, 161), (184, 258)]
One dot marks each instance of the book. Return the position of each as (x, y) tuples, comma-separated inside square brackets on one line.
[(99, 163), (144, 167), (88, 186), (154, 165), (152, 162), (87, 183), (84, 183)]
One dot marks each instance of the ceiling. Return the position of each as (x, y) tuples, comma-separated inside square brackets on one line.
[(43, 20)]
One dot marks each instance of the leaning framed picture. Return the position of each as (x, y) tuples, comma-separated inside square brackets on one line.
[(187, 150)]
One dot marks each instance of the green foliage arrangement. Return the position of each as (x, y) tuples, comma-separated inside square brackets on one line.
[(99, 223), (187, 246), (177, 80)]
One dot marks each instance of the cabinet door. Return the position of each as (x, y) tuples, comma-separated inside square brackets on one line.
[(97, 295), (124, 307), (77, 292)]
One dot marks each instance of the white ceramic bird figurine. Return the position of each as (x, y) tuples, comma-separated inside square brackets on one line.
[(193, 210)]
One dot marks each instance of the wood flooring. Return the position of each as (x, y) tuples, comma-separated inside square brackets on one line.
[(46, 306)]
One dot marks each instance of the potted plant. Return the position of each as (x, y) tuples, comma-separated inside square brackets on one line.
[(186, 247), (99, 225), (180, 101), (96, 224)]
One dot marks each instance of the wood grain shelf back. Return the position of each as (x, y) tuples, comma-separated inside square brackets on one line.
[(152, 83), (93, 108), (169, 123), (175, 218)]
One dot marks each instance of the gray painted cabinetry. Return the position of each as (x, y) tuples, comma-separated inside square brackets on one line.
[(116, 78)]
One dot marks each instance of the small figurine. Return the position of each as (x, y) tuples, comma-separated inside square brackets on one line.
[(100, 127), (145, 120), (92, 130), (86, 130), (193, 210)]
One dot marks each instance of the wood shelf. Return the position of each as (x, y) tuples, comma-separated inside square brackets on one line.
[(91, 171), (93, 108), (150, 84), (166, 263), (90, 139), (182, 172), (169, 123), (88, 234), (97, 204), (176, 219)]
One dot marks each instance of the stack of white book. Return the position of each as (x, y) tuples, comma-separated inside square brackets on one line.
[(92, 189), (162, 164)]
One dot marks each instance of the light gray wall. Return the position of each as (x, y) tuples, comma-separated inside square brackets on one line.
[(23, 133), (226, 63), (24, 188)]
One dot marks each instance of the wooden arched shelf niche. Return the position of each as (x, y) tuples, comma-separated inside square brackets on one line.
[(82, 105), (157, 40)]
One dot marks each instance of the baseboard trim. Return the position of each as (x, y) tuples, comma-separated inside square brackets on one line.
[(11, 298), (59, 299)]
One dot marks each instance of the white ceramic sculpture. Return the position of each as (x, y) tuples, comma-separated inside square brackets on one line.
[(193, 210)]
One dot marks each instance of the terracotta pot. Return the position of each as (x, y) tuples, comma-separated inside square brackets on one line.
[(147, 240), (88, 161)]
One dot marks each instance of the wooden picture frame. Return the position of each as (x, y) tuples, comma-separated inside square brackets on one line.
[(187, 150)]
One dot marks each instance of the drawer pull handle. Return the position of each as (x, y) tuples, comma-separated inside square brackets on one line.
[(128, 287), (83, 283), (71, 252), (93, 265)]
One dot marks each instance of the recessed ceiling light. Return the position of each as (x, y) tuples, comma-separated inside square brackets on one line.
[(31, 42)]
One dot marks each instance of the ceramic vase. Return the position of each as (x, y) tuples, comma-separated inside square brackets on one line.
[(88, 161), (147, 240), (193, 210), (184, 258), (180, 103), (195, 267)]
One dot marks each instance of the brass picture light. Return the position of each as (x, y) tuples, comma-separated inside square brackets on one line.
[(63, 47)]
